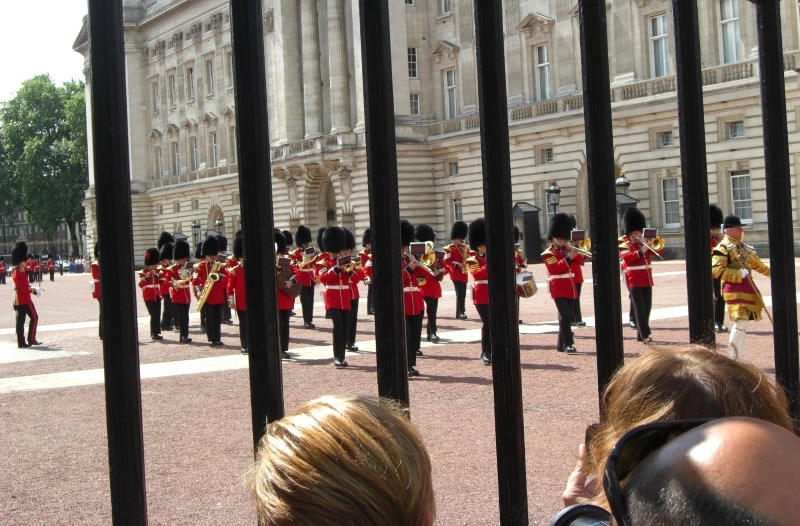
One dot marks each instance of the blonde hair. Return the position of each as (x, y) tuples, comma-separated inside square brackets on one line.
[(352, 460), (674, 384)]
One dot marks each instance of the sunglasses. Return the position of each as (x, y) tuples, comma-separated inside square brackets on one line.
[(630, 451)]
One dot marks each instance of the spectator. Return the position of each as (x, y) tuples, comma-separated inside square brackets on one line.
[(733, 471), (343, 460), (663, 385)]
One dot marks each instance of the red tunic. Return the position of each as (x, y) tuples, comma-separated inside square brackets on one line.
[(182, 295), (366, 262), (305, 275), (561, 274), (337, 284), (432, 288), (217, 294), (480, 279), (455, 257), (22, 288), (166, 283), (150, 282), (97, 292), (355, 279), (51, 265), (637, 269), (413, 302), (236, 287)]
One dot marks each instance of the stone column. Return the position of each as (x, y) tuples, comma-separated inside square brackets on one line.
[(339, 75), (312, 81)]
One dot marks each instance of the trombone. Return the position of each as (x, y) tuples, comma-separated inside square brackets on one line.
[(583, 246), (657, 241)]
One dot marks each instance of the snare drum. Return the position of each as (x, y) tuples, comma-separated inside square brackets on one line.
[(526, 285)]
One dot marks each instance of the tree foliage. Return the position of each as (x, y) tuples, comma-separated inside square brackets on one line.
[(44, 167)]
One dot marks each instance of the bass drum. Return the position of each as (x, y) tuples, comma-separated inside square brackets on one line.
[(526, 285)]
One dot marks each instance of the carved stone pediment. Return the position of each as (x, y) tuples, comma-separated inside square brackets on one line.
[(229, 112), (444, 50), (189, 124), (642, 3), (536, 24), (210, 119), (172, 129), (155, 136)]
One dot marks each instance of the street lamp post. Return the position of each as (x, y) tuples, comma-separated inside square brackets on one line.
[(195, 232), (553, 197), (219, 223)]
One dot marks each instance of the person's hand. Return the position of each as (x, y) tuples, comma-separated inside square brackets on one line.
[(580, 486), (745, 272)]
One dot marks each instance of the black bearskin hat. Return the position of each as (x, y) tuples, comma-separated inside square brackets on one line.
[(633, 220), (288, 237), (350, 240), (210, 247), (334, 239), (366, 239), (302, 235), (222, 243), (182, 249), (459, 230), (476, 233), (239, 233), (50, 255), (151, 257), (425, 233), (319, 239), (731, 220), (280, 242), (406, 232), (238, 247), (516, 234), (715, 216), (560, 226), (20, 253), (164, 238), (167, 250)]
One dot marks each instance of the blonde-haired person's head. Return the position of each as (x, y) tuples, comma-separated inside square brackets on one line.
[(681, 383), (352, 460)]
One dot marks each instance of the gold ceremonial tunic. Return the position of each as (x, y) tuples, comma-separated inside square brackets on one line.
[(728, 259)]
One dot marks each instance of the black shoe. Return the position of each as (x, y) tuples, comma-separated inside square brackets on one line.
[(721, 328), (339, 363), (351, 347), (243, 350), (519, 322), (309, 326), (23, 345), (560, 349), (419, 352), (462, 316), (371, 313), (647, 340), (227, 322), (487, 358), (156, 337), (292, 313), (412, 372), (429, 337), (579, 324), (434, 339), (632, 324), (186, 340), (570, 349), (217, 343), (285, 355), (34, 342)]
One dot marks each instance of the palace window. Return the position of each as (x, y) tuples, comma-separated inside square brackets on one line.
[(450, 94), (176, 157), (412, 63), (446, 7), (414, 104), (730, 48), (194, 153), (740, 195), (190, 84), (659, 46), (542, 73), (173, 90), (670, 197), (213, 149), (458, 211), (210, 76), (154, 96)]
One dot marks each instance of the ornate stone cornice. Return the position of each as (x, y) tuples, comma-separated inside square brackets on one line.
[(444, 50), (535, 24)]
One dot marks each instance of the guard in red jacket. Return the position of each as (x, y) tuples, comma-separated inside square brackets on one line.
[(478, 267), (337, 288), (23, 304), (207, 280), (288, 289), (181, 288), (150, 281), (636, 261), (302, 237), (432, 287), (355, 295), (97, 292), (455, 258), (237, 298), (561, 260), (51, 267), (413, 303), (166, 248), (366, 264)]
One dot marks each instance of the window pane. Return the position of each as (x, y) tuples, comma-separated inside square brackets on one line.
[(669, 192), (740, 193)]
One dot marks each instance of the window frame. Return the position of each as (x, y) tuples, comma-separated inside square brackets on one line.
[(450, 94), (671, 205), (209, 76), (742, 205), (172, 89), (413, 62), (542, 72), (659, 46), (413, 104), (175, 156), (213, 149), (446, 6), (191, 91), (155, 96), (458, 209), (730, 48)]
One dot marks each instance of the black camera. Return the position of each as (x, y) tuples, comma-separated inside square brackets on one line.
[(582, 515)]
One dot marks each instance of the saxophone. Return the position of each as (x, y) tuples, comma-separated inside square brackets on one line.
[(212, 278)]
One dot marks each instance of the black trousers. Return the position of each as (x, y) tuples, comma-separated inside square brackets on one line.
[(370, 300), (486, 342), (29, 311), (283, 329), (242, 315), (154, 309), (461, 296), (53, 275), (576, 306), (213, 321), (182, 318), (227, 315), (339, 319), (431, 307), (352, 323), (642, 299), (719, 303), (565, 308), (100, 318), (413, 337), (307, 302), (166, 315)]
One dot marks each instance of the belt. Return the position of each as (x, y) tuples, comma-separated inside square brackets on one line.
[(152, 286), (306, 270), (640, 267), (337, 287), (481, 282), (410, 289), (563, 276)]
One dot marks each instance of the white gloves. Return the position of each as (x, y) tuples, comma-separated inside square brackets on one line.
[(745, 272)]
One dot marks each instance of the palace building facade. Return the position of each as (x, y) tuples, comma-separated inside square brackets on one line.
[(182, 113)]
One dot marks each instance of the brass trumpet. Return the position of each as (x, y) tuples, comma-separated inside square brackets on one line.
[(658, 241), (583, 247)]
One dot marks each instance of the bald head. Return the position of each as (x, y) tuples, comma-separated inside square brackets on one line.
[(736, 471)]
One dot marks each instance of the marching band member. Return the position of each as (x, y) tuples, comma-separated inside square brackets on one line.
[(715, 216), (37, 268), (288, 289), (302, 237), (366, 264), (636, 263), (413, 303), (150, 280), (732, 262), (560, 260), (222, 255), (477, 266), (207, 278), (519, 265), (97, 292), (577, 269), (166, 246), (455, 255), (337, 288), (355, 296), (287, 235), (2, 270), (181, 289), (23, 303), (432, 288), (236, 288), (51, 267)]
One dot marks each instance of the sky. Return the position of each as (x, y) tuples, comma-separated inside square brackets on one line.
[(37, 38)]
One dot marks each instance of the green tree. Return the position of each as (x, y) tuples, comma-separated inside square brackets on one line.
[(44, 154)]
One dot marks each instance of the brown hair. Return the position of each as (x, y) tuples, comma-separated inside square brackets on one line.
[(687, 382), (342, 460)]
